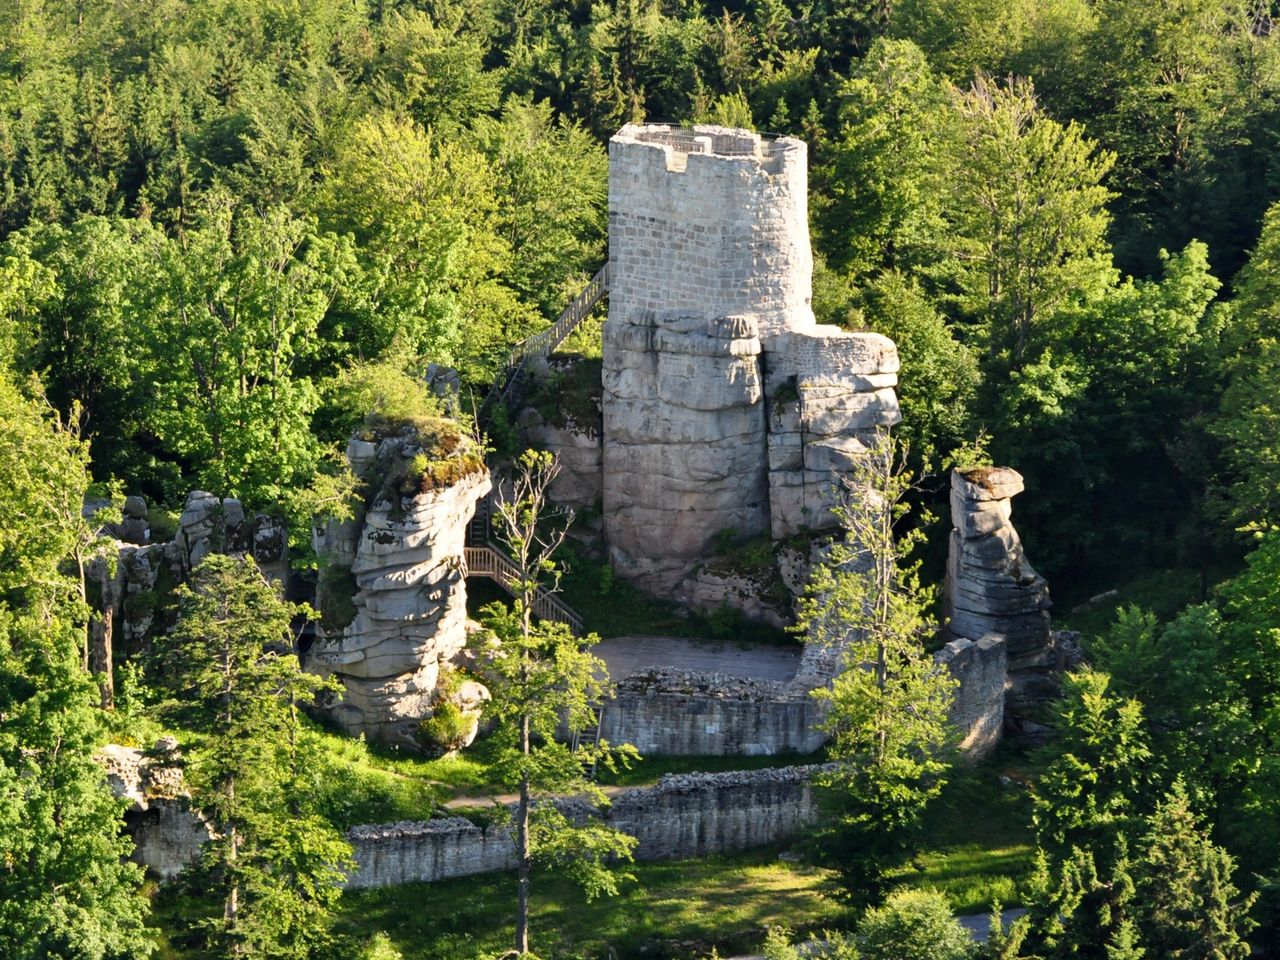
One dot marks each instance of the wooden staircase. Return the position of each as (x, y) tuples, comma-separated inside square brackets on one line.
[(589, 737), (544, 343), (489, 561)]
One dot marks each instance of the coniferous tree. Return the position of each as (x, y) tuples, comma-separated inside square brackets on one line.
[(887, 708), (547, 681), (276, 868), (1190, 908)]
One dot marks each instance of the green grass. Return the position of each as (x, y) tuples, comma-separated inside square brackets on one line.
[(979, 845), (978, 848), (355, 782), (675, 909), (612, 607)]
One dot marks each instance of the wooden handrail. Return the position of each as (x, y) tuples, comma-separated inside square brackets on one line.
[(489, 562), (544, 342)]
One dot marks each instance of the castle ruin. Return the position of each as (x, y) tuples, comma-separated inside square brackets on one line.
[(726, 406)]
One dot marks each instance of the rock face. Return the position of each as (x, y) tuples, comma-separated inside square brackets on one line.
[(167, 833), (130, 576), (992, 591), (393, 595), (725, 406)]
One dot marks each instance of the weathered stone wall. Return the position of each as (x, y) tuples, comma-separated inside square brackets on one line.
[(977, 712), (684, 431), (828, 392), (691, 714), (693, 815), (404, 556), (709, 222)]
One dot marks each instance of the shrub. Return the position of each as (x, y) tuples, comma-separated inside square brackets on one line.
[(913, 925), (379, 947), (335, 595), (425, 474), (447, 729)]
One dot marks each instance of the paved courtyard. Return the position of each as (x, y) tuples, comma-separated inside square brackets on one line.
[(631, 654)]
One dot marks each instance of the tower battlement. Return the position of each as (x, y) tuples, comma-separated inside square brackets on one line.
[(709, 221)]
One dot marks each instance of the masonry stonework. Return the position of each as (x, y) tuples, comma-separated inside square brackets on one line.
[(726, 407), (682, 816)]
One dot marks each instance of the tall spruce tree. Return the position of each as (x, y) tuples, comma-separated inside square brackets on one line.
[(276, 868), (546, 681)]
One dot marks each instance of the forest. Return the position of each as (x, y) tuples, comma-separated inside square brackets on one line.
[(222, 222)]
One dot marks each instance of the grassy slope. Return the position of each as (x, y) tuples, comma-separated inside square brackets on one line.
[(979, 848), (979, 845)]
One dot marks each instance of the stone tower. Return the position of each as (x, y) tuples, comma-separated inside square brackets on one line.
[(726, 406)]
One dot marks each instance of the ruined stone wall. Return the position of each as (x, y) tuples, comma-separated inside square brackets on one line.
[(682, 816), (977, 712), (690, 714)]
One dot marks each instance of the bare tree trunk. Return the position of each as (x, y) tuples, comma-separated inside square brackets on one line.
[(101, 628), (522, 848)]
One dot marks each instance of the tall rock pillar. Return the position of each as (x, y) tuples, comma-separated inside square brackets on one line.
[(992, 591)]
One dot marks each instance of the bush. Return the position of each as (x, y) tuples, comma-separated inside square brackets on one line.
[(379, 947), (335, 595), (447, 729), (913, 925)]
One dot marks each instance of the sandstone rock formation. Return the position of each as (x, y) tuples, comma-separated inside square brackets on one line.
[(130, 577), (992, 591), (392, 594), (167, 832)]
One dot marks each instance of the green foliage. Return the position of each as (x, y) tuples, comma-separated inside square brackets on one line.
[(887, 708), (447, 728), (1248, 422), (62, 877), (276, 867), (336, 589), (546, 680), (1090, 789), (1189, 906), (913, 925), (65, 888)]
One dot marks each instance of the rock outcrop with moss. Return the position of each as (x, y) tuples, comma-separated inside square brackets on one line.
[(392, 594)]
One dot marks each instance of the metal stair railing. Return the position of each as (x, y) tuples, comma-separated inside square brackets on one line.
[(487, 561), (544, 342)]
